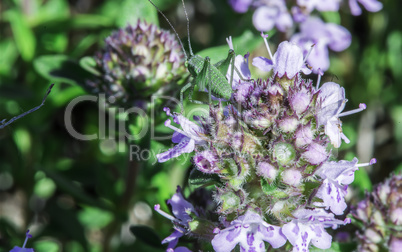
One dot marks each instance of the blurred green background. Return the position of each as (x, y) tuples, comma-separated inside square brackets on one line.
[(84, 195)]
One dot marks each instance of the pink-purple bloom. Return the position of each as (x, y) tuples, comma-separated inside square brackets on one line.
[(287, 60), (309, 227), (336, 178), (249, 231), (180, 209), (332, 101), (186, 139), (323, 36)]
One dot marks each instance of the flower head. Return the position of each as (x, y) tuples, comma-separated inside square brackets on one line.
[(379, 217), (137, 62)]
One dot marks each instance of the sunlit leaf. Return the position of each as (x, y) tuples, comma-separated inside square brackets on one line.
[(94, 217), (47, 245), (131, 11), (61, 68), (22, 33)]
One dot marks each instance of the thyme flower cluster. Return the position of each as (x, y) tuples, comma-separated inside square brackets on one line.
[(137, 62), (379, 216), (268, 153)]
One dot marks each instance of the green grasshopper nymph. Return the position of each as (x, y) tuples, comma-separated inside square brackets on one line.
[(205, 75)]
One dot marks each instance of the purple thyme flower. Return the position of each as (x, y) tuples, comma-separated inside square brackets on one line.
[(250, 231), (323, 35), (180, 209), (320, 5), (272, 13), (240, 6), (331, 102), (178, 249), (287, 60), (370, 5), (23, 249), (309, 226), (336, 176), (186, 139)]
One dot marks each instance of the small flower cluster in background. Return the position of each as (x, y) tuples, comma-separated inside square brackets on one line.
[(285, 17), (379, 217), (270, 154), (137, 62)]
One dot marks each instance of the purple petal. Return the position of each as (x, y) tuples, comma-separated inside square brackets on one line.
[(340, 37), (180, 206), (371, 5), (332, 98), (189, 127), (321, 239), (187, 145), (177, 137), (355, 8), (240, 6), (173, 239), (182, 249), (19, 249), (227, 239), (284, 21), (273, 235), (263, 64), (264, 18), (319, 57), (288, 59), (333, 197), (298, 15)]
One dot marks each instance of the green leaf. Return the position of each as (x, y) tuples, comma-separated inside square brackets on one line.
[(198, 179), (94, 217), (331, 17), (61, 68), (47, 245), (23, 35), (247, 42), (89, 64), (45, 188), (9, 54), (147, 235), (131, 11)]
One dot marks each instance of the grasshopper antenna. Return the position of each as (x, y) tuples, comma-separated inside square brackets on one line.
[(4, 123), (188, 29), (171, 26)]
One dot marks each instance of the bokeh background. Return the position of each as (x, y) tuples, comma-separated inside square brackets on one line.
[(84, 195)]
